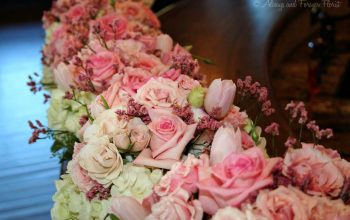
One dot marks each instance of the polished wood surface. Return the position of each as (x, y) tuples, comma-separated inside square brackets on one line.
[(236, 35), (27, 172)]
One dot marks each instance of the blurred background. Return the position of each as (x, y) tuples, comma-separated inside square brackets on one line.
[(300, 52)]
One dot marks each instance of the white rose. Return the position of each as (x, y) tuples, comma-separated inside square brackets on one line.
[(101, 160), (107, 123)]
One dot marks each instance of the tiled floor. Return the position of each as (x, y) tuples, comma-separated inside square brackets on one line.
[(27, 172)]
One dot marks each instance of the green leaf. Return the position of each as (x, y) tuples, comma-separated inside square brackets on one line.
[(105, 104), (188, 47), (113, 217), (204, 60)]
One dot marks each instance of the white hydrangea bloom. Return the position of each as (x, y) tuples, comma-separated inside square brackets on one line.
[(65, 114), (70, 203), (136, 182)]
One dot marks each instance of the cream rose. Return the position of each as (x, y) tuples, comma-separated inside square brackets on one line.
[(101, 160)]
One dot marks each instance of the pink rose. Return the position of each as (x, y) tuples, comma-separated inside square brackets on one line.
[(313, 170), (148, 41), (170, 135), (219, 98), (114, 96), (139, 134), (235, 179), (182, 174), (150, 63), (138, 11), (160, 93), (112, 26), (75, 14), (125, 208), (104, 65), (226, 140), (134, 78), (80, 177), (283, 204), (176, 206)]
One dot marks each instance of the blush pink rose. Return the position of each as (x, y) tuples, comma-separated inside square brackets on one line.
[(313, 170), (160, 93), (283, 204), (176, 206), (172, 74), (134, 78), (187, 82), (139, 134), (164, 43), (182, 174), (219, 98), (235, 117), (170, 135), (150, 63), (80, 176), (104, 65), (114, 95), (235, 179), (113, 26), (148, 41), (64, 76), (126, 207), (226, 140)]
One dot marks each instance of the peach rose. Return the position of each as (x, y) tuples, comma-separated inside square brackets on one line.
[(187, 82), (150, 63), (74, 14), (160, 93), (226, 140), (232, 181), (313, 170), (170, 135), (182, 174), (176, 206), (283, 203), (101, 160), (219, 98)]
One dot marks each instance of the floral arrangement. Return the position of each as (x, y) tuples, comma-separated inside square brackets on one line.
[(146, 139)]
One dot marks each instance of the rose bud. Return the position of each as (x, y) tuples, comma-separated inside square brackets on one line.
[(226, 140), (196, 97), (219, 98)]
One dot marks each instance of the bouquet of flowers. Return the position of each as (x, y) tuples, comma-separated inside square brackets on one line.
[(146, 139)]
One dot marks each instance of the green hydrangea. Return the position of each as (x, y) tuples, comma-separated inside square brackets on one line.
[(72, 204), (65, 114), (136, 182)]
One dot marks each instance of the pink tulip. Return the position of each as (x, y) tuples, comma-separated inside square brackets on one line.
[(125, 208), (219, 98), (226, 140), (164, 43)]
